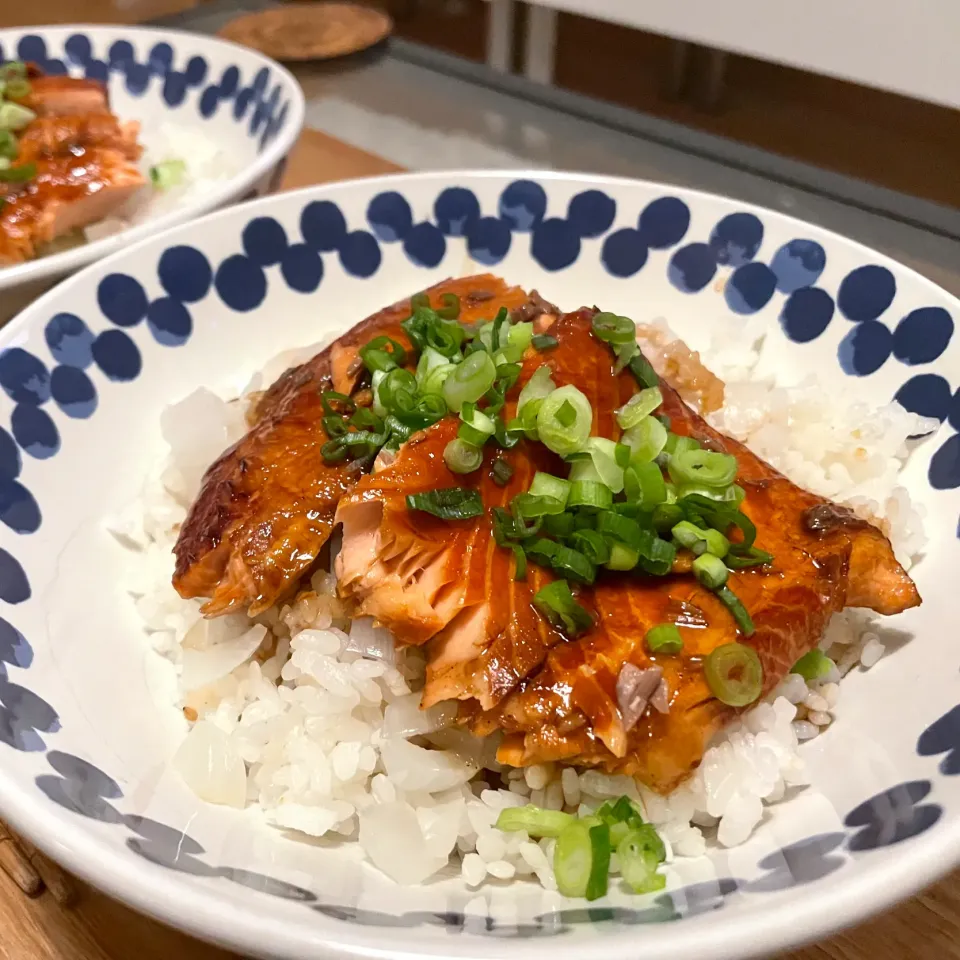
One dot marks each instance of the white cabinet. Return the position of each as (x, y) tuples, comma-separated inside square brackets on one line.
[(906, 46)]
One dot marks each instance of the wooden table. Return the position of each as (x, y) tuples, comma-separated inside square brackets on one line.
[(97, 928)]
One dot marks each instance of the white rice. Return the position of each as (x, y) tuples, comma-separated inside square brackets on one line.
[(206, 163), (315, 721)]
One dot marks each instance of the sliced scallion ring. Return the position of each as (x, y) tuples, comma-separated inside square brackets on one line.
[(450, 503), (469, 380), (613, 329), (734, 674), (564, 420), (645, 439), (462, 457), (639, 406), (664, 638), (534, 821)]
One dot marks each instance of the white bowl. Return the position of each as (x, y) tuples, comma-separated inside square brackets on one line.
[(86, 372), (242, 106)]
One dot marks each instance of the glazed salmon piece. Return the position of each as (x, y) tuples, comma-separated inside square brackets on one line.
[(61, 95), (449, 585), (85, 160), (266, 507), (86, 171)]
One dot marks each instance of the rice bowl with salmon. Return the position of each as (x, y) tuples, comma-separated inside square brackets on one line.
[(490, 587)]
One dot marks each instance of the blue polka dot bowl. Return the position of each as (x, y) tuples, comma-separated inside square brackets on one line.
[(85, 374), (191, 95)]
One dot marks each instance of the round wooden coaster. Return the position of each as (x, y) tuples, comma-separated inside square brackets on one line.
[(310, 31)]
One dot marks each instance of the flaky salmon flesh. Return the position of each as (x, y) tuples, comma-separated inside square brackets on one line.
[(85, 161), (269, 504)]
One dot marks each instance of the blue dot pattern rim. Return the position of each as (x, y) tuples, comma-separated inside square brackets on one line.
[(260, 105), (267, 254)]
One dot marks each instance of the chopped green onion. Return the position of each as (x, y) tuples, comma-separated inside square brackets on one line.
[(451, 306), (556, 602), (643, 484), (462, 457), (622, 529), (740, 613), (344, 405), (600, 862), (573, 565), (444, 336), (738, 558), (735, 494), (734, 674), (335, 426), (646, 440), (519, 562), (664, 638), (17, 89), (167, 174), (15, 117), (507, 527), (547, 485), (418, 301), (13, 70), (502, 472), (643, 371), (705, 467), (603, 454), (573, 859), (564, 438), (639, 406), (613, 329), (666, 516), (639, 860), (477, 426), (590, 494), (710, 571), (622, 557), (365, 419), (560, 525), (529, 507), (397, 392), (518, 339), (429, 361), (624, 353), (813, 665), (591, 544), (333, 451), (543, 341), (701, 541), (534, 821), (376, 355), (656, 555), (25, 171), (8, 146), (537, 388), (450, 503), (469, 380), (677, 444)]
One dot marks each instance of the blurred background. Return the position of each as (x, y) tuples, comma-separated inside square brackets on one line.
[(838, 111)]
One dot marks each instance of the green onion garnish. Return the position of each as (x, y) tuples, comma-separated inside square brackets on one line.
[(737, 558), (705, 467), (606, 457), (813, 665), (710, 571), (17, 89), (15, 117), (591, 544), (519, 338), (590, 494), (470, 380), (643, 484), (622, 557), (664, 638), (383, 353), (547, 485), (13, 70), (534, 821), (581, 860), (645, 439), (740, 613), (734, 674), (543, 341), (19, 174), (643, 371), (9, 147), (450, 503), (520, 562), (700, 541), (639, 858), (613, 329), (167, 174), (528, 506), (502, 472), (462, 457), (564, 420), (557, 603), (639, 406), (451, 306)]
